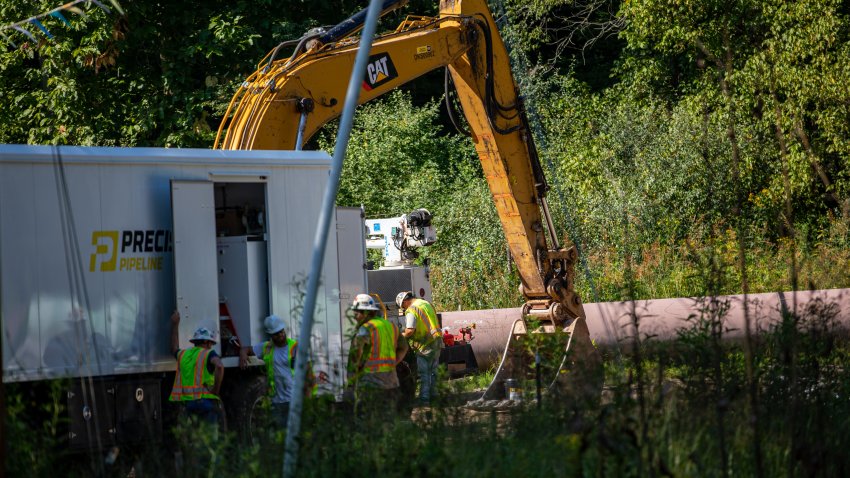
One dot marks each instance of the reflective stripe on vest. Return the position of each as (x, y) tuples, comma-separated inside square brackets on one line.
[(268, 358), (384, 337), (427, 329), (192, 381)]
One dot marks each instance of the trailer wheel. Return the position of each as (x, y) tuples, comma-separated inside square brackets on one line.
[(242, 399), (258, 418)]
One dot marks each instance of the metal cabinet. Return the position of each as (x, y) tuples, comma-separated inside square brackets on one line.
[(243, 287)]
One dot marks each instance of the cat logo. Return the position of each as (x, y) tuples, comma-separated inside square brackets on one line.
[(379, 71)]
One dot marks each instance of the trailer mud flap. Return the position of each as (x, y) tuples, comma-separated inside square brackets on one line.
[(138, 411), (91, 414)]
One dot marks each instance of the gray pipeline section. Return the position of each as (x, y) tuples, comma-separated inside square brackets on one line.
[(610, 323)]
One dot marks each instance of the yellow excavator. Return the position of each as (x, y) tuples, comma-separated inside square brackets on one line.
[(282, 104)]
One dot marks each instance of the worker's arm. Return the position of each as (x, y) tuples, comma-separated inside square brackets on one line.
[(244, 353), (175, 339), (219, 373), (401, 349), (359, 343), (410, 325)]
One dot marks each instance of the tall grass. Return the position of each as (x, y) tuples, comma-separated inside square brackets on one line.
[(662, 270), (690, 417)]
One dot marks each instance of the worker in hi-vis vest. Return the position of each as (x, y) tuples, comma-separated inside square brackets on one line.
[(199, 373), (376, 349), (423, 332), (278, 355)]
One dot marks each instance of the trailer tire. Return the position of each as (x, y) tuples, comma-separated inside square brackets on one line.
[(241, 401)]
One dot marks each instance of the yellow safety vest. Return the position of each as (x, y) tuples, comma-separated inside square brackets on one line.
[(192, 381), (268, 358), (384, 337), (427, 328)]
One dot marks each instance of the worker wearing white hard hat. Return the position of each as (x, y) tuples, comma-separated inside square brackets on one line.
[(278, 355), (422, 329), (375, 352), (200, 361)]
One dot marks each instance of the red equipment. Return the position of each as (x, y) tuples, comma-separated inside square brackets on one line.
[(448, 339)]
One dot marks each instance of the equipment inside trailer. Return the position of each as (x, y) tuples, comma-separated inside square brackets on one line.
[(242, 259)]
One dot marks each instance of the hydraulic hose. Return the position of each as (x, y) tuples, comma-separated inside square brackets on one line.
[(355, 22), (447, 83)]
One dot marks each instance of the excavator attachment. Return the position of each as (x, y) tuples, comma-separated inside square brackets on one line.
[(575, 380)]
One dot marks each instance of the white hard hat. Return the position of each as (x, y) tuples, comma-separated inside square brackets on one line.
[(403, 296), (203, 334), (364, 302), (274, 324)]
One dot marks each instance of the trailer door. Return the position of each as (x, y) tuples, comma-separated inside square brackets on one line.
[(195, 269)]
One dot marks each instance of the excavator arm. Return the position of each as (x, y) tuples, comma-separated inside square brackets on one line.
[(286, 101)]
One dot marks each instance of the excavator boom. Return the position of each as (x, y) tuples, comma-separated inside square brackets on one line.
[(286, 101)]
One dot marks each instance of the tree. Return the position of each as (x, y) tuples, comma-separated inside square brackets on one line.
[(160, 75)]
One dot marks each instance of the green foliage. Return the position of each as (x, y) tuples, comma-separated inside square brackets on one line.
[(634, 172), (397, 160), (778, 65), (471, 268), (162, 75), (644, 172), (35, 421)]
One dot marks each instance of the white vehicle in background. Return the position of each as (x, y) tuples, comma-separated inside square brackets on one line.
[(398, 238)]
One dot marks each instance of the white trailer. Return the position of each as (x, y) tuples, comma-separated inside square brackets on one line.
[(99, 245)]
